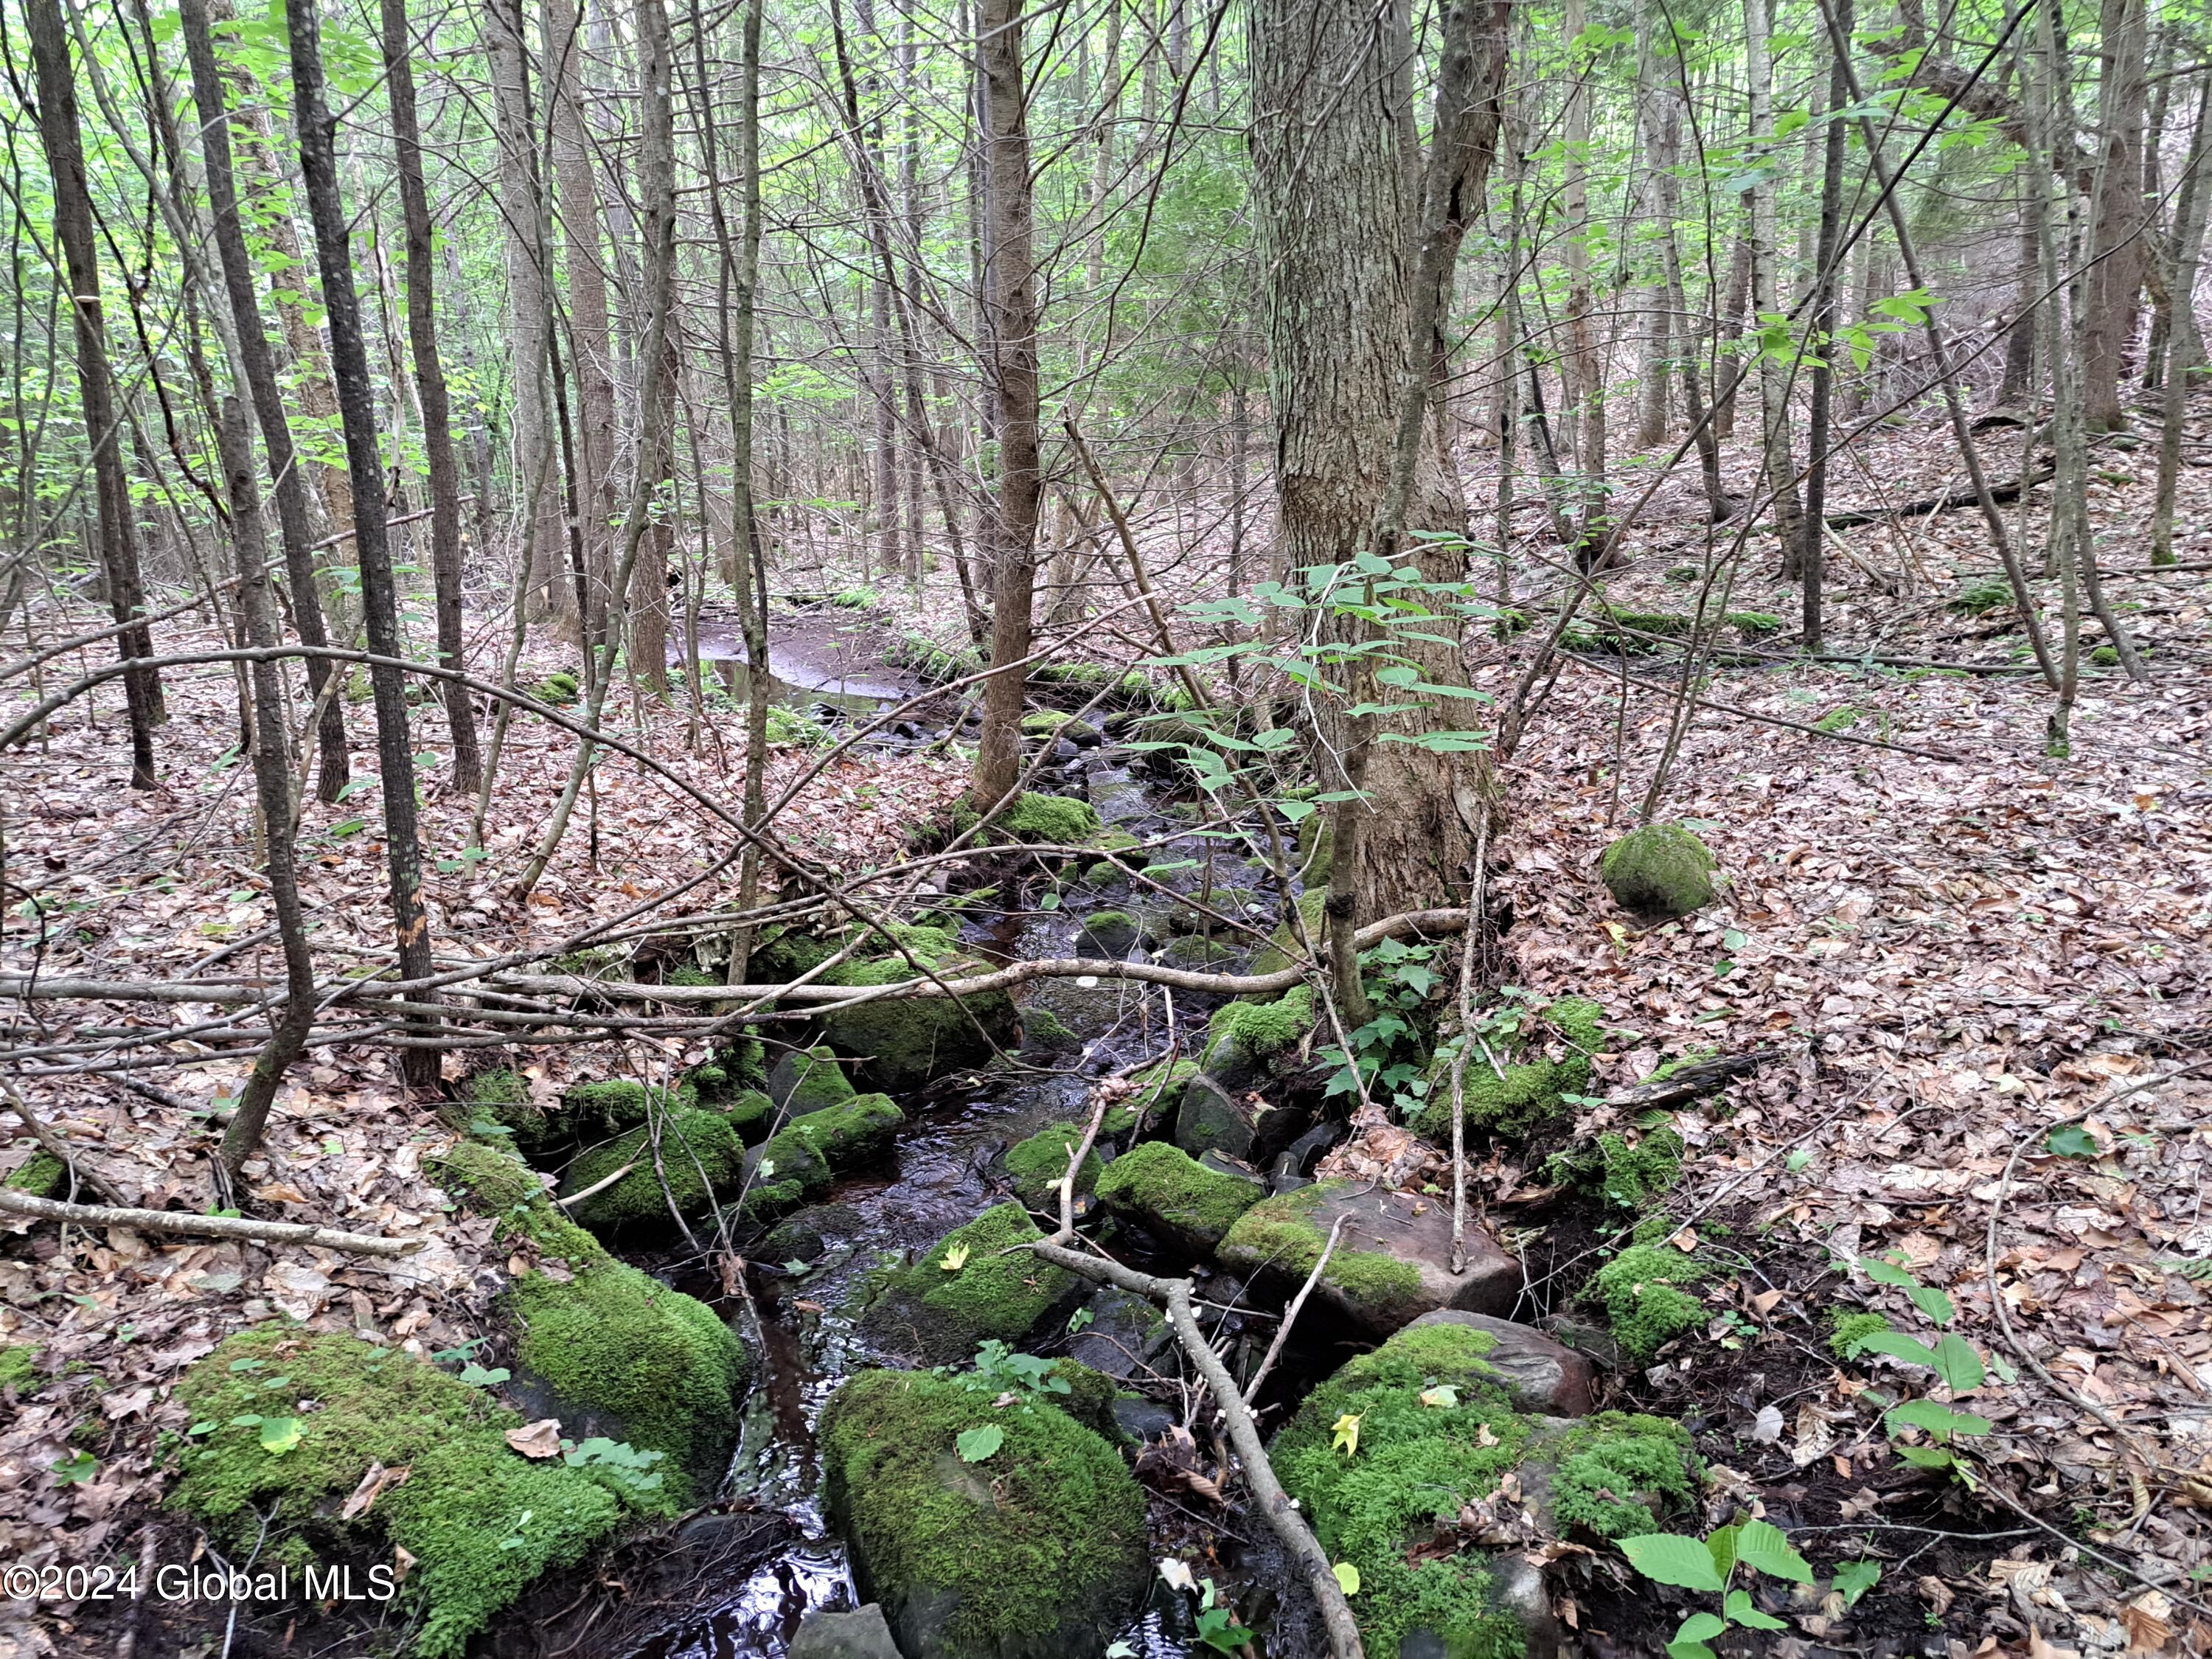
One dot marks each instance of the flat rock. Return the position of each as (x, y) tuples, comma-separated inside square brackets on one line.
[(1542, 1375), (859, 1634), (1392, 1261)]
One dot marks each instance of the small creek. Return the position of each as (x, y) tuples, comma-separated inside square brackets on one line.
[(942, 1174)]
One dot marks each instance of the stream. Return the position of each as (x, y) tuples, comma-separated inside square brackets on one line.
[(942, 1174)]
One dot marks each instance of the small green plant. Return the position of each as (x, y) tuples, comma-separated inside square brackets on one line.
[(1400, 978), (619, 1465), (787, 725), (1708, 1564), (1956, 1363), (999, 1369)]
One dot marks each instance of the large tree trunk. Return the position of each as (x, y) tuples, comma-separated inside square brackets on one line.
[(591, 348), (73, 229), (380, 599), (430, 389), (1335, 223), (2116, 279), (1780, 482), (1010, 301)]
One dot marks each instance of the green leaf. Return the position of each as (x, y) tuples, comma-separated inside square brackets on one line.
[(2071, 1140), (1720, 1544), (477, 1378), (1760, 1544), (1855, 1578), (1739, 1611), (76, 1468), (1666, 1558), (1958, 1365), (1933, 1302), (974, 1445), (1689, 1641), (1347, 1577), (1886, 1272), (1898, 1346), (279, 1435), (1939, 1420), (1798, 1159)]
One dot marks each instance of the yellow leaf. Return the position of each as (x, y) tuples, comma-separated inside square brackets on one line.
[(1347, 1577), (1347, 1431), (1443, 1396), (955, 1259)]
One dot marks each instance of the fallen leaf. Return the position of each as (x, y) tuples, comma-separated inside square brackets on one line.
[(538, 1439)]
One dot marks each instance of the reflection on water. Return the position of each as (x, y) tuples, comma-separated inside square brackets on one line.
[(796, 674), (759, 1622)]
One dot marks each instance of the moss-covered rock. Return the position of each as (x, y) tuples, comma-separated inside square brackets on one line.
[(1282, 944), (490, 1180), (1617, 1474), (480, 1521), (1172, 1195), (1109, 933), (1043, 1032), (1316, 850), (611, 1351), (1035, 1552), (1155, 1089), (901, 1044), (751, 1113), (700, 1154), (42, 1176), (1261, 1031), (783, 1172), (1645, 1292), (19, 1367), (1530, 1093), (1038, 1163), (807, 1079), (1059, 819), (978, 1282), (1415, 1463), (1198, 951), (849, 1134), (1660, 870)]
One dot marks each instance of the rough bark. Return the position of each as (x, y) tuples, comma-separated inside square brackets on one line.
[(1779, 482), (2115, 281)]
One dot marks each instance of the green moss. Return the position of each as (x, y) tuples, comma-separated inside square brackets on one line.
[(1642, 1293), (503, 1085), (1530, 1093), (690, 973), (1279, 1232), (751, 1113), (853, 1131), (1981, 597), (1660, 869), (560, 688), (1042, 1029), (1090, 1398), (1037, 1164), (1617, 1473), (1625, 1174), (595, 1109), (1415, 1465), (790, 1172), (1057, 818), (42, 1175), (1157, 1086), (818, 1081), (1112, 932), (1037, 1550), (1754, 624), (1262, 1029), (1163, 1186), (1316, 850), (1277, 955), (491, 1181), (18, 1367), (481, 1521), (1849, 1327), (700, 1154), (640, 1362), (1123, 846), (999, 1289), (1195, 950), (902, 1043)]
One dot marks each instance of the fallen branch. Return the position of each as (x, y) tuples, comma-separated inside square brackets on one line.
[(56, 1147), (212, 1226), (1689, 1083), (1921, 509), (597, 1187)]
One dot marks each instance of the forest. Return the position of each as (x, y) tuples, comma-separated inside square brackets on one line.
[(859, 829)]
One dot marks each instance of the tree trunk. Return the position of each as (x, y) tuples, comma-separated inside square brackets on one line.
[(430, 389), (1780, 474), (1583, 376), (1010, 297), (2115, 280), (1813, 549), (380, 599), (73, 229)]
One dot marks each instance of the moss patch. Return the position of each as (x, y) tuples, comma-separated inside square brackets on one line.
[(751, 1113), (1036, 1551), (1530, 1092), (853, 1131), (1628, 1174), (1849, 1327), (42, 1175), (700, 1154), (480, 1521), (490, 1181), (1262, 1029), (1282, 942), (1171, 1192), (998, 1289), (1414, 1466), (1158, 1086), (1058, 818), (1643, 1292), (809, 1080), (1279, 1232), (902, 1044), (1617, 1473), (18, 1367), (1659, 869), (1037, 1164)]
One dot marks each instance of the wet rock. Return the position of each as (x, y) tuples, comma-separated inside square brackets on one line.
[(1245, 1125), (1217, 910), (1125, 1334), (859, 1634), (1199, 953), (1035, 1552), (1142, 1420), (1539, 1374), (1109, 933), (1181, 1201), (1118, 798), (974, 1283), (901, 1044), (806, 1080), (1392, 1261), (806, 1235), (1063, 751)]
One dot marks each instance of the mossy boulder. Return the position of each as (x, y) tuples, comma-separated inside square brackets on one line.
[(1316, 851), (751, 1113), (1417, 1461), (901, 1044), (699, 1155), (613, 1352), (1531, 1092), (978, 1282), (853, 1133), (1197, 951), (1038, 1163), (1058, 819), (1392, 1261), (781, 1173), (585, 1112), (1647, 1292), (1253, 1031), (42, 1176), (1279, 951), (1034, 1551), (1044, 1032), (1660, 870), (807, 1079), (1155, 1089), (1175, 1197), (481, 1521), (490, 1179), (1109, 933)]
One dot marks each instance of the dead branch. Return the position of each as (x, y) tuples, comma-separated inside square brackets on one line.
[(211, 1226)]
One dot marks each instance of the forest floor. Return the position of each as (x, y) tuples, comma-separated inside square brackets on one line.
[(1946, 945)]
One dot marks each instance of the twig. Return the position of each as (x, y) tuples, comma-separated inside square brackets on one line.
[(1291, 1314), (214, 1226), (57, 1147), (597, 1186)]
